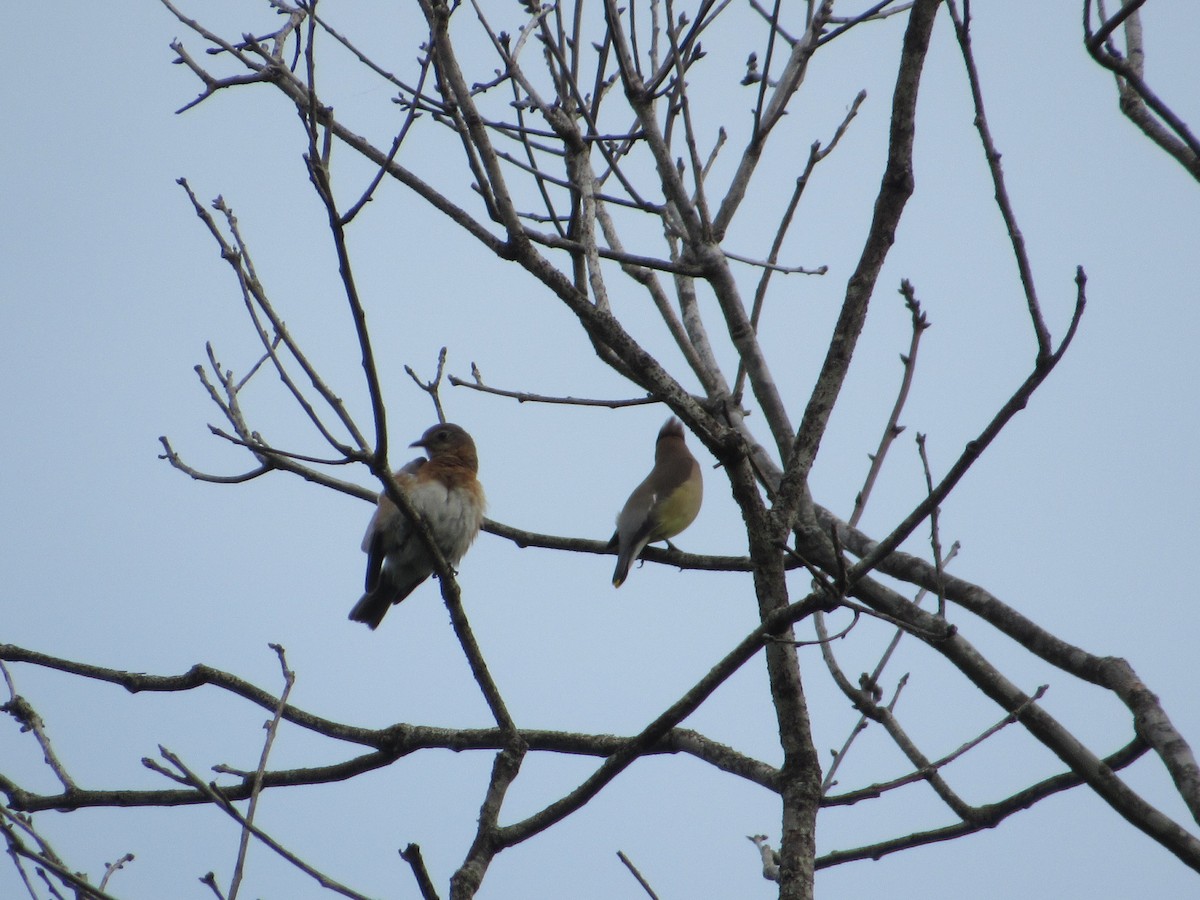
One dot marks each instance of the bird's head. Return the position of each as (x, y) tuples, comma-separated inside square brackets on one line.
[(672, 429), (446, 440), (670, 440)]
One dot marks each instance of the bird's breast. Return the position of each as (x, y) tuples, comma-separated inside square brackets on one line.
[(678, 510), (454, 514)]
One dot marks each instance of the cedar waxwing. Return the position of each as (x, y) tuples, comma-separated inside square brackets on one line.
[(661, 506), (444, 490)]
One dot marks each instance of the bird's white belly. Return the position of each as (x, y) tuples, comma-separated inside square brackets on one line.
[(454, 517)]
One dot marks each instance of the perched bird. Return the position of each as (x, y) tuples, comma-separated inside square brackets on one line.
[(445, 491), (661, 506)]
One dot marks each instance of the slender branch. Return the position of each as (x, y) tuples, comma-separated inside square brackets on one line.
[(1095, 41), (477, 384), (1138, 102), (683, 105), (635, 747), (895, 188), (209, 880), (675, 267), (215, 796), (398, 742), (1041, 725), (668, 557), (962, 29), (693, 343), (636, 874), (877, 790), (112, 868), (935, 541), (871, 680), (277, 460), (213, 85), (815, 155), (289, 679), (265, 451), (1116, 675), (789, 82), (987, 816), (411, 854), (876, 12), (893, 428), (868, 681), (431, 387), (29, 720), (255, 294), (765, 81), (45, 858), (770, 859), (319, 173), (1042, 369), (775, 267)]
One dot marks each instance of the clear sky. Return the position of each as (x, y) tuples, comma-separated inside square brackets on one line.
[(1082, 516)]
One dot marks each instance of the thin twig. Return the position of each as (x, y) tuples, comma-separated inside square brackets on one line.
[(775, 623), (972, 451), (875, 12), (934, 538), (790, 80), (411, 854), (815, 154), (962, 29), (113, 867), (431, 387), (476, 384), (29, 720), (896, 187), (893, 428), (45, 859), (320, 175), (1096, 40), (411, 115), (269, 453), (209, 880), (237, 255), (10, 843), (870, 680), (985, 816), (1138, 102), (775, 267), (876, 790), (272, 727), (219, 800), (770, 858), (636, 874)]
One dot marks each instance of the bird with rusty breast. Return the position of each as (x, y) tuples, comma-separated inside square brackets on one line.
[(663, 505), (444, 490)]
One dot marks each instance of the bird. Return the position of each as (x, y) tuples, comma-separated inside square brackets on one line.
[(663, 505), (443, 489)]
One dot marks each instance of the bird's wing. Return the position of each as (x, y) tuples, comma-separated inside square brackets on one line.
[(388, 527), (636, 517), (635, 524), (643, 512)]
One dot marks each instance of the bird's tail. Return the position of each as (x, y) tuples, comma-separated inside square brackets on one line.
[(371, 608), (624, 561), (392, 585)]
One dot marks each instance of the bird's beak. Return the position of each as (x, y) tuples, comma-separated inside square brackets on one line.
[(417, 443)]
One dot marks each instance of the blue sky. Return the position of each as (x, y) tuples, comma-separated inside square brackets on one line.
[(1082, 516)]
